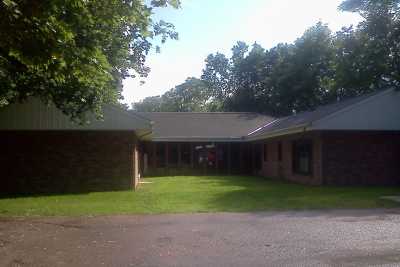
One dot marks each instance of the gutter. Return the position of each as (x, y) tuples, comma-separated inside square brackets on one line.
[(291, 130), (286, 131), (143, 135), (262, 127), (198, 139)]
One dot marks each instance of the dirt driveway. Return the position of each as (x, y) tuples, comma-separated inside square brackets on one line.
[(319, 238)]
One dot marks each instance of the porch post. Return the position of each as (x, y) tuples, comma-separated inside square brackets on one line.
[(253, 158), (154, 156), (166, 155), (191, 156), (216, 158), (240, 157), (179, 155), (229, 158)]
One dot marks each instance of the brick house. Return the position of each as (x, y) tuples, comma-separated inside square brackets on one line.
[(43, 152), (351, 142)]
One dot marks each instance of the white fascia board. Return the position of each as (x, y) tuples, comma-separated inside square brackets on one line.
[(292, 130), (262, 127), (196, 139)]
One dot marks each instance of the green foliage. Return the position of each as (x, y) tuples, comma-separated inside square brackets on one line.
[(318, 68), (278, 81), (191, 96), (75, 53), (149, 104), (297, 80), (217, 74), (368, 57)]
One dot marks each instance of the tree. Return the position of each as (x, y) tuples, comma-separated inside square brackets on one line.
[(278, 81), (318, 68), (217, 74), (368, 57), (191, 96), (75, 53), (149, 104), (299, 79), (248, 75)]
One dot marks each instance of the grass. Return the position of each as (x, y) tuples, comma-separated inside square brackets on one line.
[(180, 194)]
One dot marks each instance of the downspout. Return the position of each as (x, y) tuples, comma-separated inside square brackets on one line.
[(143, 135), (148, 133)]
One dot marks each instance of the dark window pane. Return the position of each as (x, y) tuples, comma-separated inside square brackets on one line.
[(160, 155), (173, 154), (257, 157), (302, 157), (185, 154), (265, 152)]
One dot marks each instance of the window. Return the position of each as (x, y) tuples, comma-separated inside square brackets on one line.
[(302, 157), (257, 157), (265, 152), (185, 154), (280, 151), (173, 154), (160, 155)]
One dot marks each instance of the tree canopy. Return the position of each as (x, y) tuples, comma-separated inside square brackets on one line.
[(76, 53), (318, 68), (193, 95)]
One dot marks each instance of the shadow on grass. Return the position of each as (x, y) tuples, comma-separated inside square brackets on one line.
[(60, 193), (222, 193), (261, 194), (47, 185)]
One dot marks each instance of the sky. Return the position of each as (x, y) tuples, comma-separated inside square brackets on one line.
[(210, 26)]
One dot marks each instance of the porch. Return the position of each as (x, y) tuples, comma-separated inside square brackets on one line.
[(200, 158)]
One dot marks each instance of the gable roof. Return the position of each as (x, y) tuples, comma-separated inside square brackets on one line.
[(33, 114), (306, 119), (244, 126), (203, 126)]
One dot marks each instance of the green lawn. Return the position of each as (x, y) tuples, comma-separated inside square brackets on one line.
[(201, 194)]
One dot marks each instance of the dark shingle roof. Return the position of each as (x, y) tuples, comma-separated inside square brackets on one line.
[(233, 125), (305, 118), (204, 125)]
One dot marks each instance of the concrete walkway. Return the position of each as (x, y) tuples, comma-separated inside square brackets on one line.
[(318, 238)]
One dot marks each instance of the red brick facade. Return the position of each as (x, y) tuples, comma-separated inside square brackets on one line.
[(360, 158), (275, 168), (67, 161), (339, 158)]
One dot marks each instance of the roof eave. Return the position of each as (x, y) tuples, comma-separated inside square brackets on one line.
[(287, 131), (197, 139)]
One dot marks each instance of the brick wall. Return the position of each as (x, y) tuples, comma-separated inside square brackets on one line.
[(62, 161), (361, 158), (284, 169)]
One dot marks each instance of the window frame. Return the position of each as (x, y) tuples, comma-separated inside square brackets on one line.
[(304, 147), (173, 154)]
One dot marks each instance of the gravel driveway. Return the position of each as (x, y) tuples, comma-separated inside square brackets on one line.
[(318, 238)]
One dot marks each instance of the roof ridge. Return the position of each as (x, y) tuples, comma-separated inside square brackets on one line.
[(127, 113), (197, 112)]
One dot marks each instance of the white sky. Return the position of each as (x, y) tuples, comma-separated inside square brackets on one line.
[(208, 26)]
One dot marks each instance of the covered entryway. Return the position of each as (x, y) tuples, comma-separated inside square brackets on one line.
[(201, 158)]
